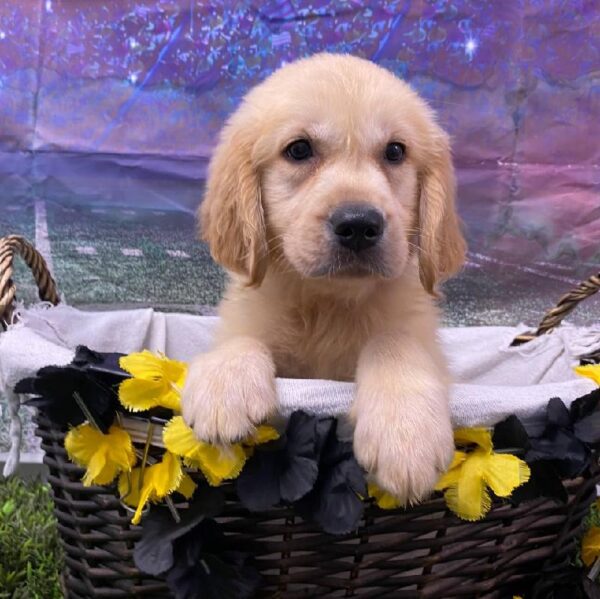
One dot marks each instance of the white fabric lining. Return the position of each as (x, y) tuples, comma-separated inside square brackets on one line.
[(493, 380)]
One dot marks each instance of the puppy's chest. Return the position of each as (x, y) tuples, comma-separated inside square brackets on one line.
[(321, 344)]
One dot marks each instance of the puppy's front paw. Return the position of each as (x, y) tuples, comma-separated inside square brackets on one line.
[(403, 450), (229, 390)]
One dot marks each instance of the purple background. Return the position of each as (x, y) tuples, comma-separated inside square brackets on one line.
[(118, 104)]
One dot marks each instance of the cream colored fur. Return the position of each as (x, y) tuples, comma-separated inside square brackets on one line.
[(286, 314)]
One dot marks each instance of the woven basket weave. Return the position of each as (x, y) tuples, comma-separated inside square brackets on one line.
[(424, 551)]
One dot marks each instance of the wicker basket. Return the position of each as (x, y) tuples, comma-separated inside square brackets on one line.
[(424, 551)]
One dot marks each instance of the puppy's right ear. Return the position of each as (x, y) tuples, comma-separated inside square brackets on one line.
[(231, 217)]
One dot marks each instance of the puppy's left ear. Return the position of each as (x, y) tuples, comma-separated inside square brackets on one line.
[(441, 242)]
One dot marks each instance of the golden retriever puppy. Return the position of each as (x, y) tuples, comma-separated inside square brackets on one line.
[(330, 200)]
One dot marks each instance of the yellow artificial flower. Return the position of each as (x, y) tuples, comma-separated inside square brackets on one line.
[(160, 480), (104, 455), (592, 371), (157, 381), (217, 463), (471, 473), (385, 500), (590, 546)]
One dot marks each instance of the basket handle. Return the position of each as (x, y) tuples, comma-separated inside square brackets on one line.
[(10, 246), (566, 304)]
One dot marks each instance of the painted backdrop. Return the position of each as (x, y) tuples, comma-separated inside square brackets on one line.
[(109, 112)]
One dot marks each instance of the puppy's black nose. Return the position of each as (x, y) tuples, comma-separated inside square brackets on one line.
[(357, 226)]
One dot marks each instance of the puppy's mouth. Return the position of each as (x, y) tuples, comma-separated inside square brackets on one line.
[(343, 263)]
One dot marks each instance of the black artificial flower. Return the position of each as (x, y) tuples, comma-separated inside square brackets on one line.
[(193, 554), (207, 567), (285, 469), (154, 552), (335, 500), (585, 415), (510, 434), (544, 481), (555, 449), (558, 442), (91, 378)]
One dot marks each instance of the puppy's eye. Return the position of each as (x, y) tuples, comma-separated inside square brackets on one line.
[(395, 151), (299, 150)]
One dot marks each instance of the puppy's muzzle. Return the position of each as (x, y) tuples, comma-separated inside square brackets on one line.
[(357, 227)]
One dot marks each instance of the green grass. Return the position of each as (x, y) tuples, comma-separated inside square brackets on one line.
[(109, 277), (30, 552), (592, 519)]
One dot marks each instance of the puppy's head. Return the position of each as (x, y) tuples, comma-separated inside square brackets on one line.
[(333, 167)]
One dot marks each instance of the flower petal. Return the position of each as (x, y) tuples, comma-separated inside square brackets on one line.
[(383, 499), (570, 455), (179, 438), (585, 405), (174, 372), (143, 365), (474, 436), (557, 414), (469, 498), (263, 434), (138, 395), (457, 459), (305, 434), (165, 476), (592, 371), (504, 473), (171, 399), (98, 470), (219, 463), (153, 553), (287, 468), (159, 480), (590, 546), (510, 434), (451, 476), (335, 507), (81, 443), (203, 567), (157, 381), (145, 496), (104, 455), (258, 484), (544, 481), (588, 428), (187, 486)]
